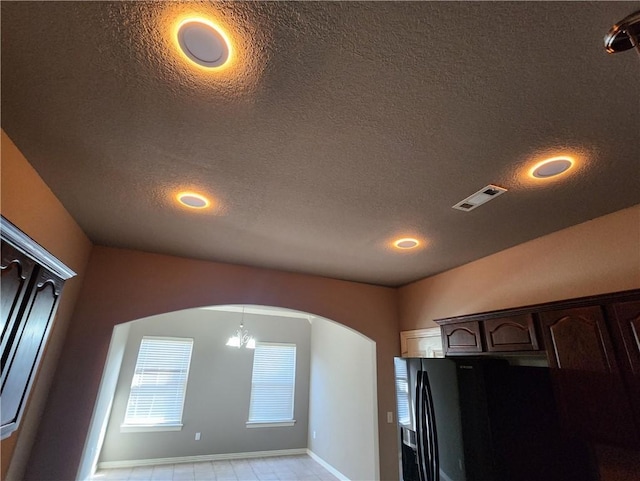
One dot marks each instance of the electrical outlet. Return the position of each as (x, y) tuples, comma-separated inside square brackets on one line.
[(197, 436)]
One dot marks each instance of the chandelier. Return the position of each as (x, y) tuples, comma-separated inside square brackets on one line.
[(242, 337)]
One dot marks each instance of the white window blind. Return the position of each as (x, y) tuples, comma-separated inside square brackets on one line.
[(402, 391), (272, 383), (159, 382)]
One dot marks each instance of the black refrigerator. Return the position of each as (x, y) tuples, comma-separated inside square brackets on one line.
[(483, 420)]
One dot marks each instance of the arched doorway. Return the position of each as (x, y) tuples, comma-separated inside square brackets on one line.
[(336, 397)]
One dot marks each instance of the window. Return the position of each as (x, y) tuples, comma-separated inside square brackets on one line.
[(272, 385), (159, 384), (402, 391)]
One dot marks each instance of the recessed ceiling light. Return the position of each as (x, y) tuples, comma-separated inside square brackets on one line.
[(193, 200), (203, 43), (551, 167), (406, 243)]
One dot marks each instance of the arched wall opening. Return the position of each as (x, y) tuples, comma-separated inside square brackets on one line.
[(335, 393), (124, 285)]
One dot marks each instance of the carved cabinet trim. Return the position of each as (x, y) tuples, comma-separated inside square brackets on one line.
[(32, 281), (489, 333), (578, 339), (462, 337), (513, 333), (627, 318)]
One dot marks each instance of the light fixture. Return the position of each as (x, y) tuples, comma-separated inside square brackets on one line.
[(406, 243), (551, 167), (193, 200), (242, 337), (203, 43), (624, 35)]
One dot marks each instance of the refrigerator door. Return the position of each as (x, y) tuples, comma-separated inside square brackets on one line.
[(442, 421), (431, 445), (484, 420)]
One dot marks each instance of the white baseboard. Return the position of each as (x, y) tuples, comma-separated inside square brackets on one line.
[(327, 466), (134, 463)]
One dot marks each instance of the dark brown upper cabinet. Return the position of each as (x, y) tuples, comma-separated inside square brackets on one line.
[(489, 334), (31, 285), (626, 316), (463, 337), (588, 377), (578, 339), (512, 333), (592, 345)]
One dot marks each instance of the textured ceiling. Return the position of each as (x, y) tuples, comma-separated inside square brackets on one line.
[(337, 128)]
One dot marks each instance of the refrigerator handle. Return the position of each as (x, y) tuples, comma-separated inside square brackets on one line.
[(425, 422), (434, 461), (419, 428)]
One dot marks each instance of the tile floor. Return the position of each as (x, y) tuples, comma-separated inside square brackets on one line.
[(281, 468)]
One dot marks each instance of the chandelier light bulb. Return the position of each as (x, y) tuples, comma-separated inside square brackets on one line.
[(242, 339)]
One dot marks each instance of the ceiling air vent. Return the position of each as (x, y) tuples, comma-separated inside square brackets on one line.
[(482, 196)]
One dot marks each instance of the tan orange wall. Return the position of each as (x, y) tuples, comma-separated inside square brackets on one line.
[(29, 204), (123, 285), (599, 256)]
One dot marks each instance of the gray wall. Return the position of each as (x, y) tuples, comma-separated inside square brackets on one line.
[(342, 401), (218, 389)]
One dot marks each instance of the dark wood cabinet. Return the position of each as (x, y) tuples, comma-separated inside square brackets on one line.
[(17, 270), (463, 337), (512, 333), (489, 334), (626, 316), (578, 339), (587, 374), (592, 346), (31, 285)]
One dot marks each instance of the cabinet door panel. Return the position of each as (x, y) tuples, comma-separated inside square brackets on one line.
[(578, 339), (462, 338), (596, 406), (627, 317), (16, 272), (515, 333), (421, 343), (31, 284), (590, 387), (29, 341)]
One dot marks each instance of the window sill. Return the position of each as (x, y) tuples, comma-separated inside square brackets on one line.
[(132, 428), (270, 424)]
